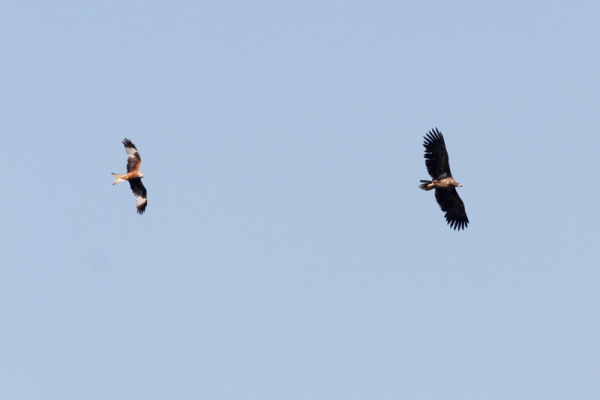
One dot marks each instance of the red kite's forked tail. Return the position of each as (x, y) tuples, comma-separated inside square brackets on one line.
[(118, 178)]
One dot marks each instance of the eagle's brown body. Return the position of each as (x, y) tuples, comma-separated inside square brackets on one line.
[(447, 183)]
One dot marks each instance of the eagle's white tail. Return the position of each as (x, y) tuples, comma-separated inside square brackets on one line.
[(118, 178), (427, 185)]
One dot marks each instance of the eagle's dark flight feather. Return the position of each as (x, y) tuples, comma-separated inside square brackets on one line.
[(453, 206), (436, 156)]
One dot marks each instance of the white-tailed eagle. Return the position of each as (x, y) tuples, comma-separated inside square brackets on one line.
[(134, 176), (436, 160)]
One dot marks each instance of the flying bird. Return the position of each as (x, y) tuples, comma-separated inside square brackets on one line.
[(134, 176), (436, 160)]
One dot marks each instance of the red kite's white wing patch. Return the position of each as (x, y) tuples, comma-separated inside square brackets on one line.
[(140, 203)]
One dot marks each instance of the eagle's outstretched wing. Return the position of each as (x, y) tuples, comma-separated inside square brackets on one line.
[(436, 156), (134, 161), (137, 187), (453, 206)]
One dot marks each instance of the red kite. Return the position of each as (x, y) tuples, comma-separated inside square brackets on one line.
[(134, 176)]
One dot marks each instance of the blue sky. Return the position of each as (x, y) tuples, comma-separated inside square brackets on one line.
[(286, 251)]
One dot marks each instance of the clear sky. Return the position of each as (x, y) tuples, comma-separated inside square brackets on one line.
[(286, 251)]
